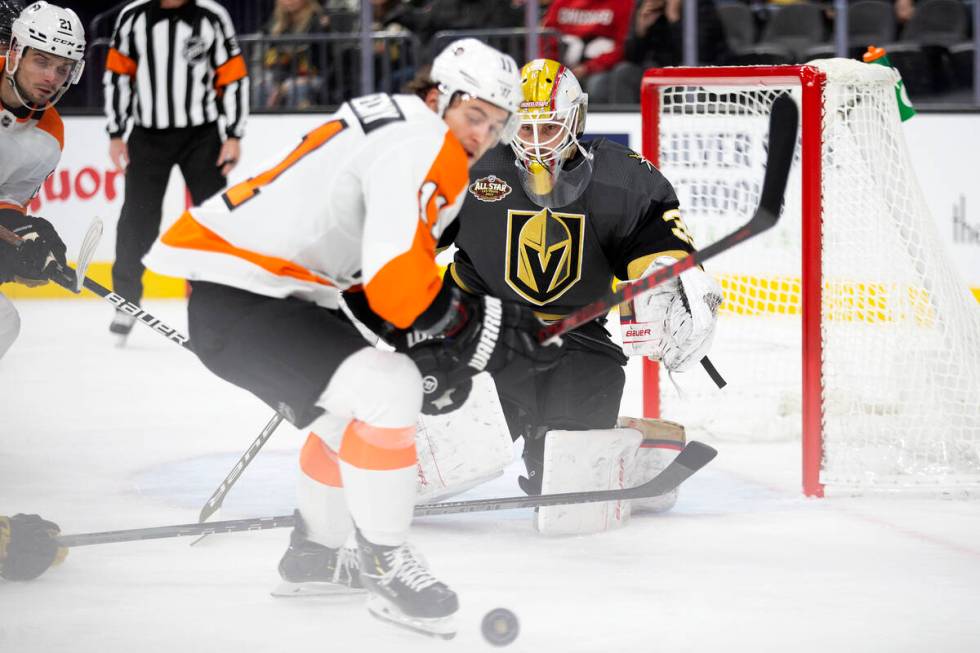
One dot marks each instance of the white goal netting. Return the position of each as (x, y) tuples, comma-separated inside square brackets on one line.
[(899, 330)]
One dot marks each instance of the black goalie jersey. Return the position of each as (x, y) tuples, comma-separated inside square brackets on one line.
[(557, 260)]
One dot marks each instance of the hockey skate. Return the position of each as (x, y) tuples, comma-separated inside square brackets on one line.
[(403, 592), (311, 569), (120, 326)]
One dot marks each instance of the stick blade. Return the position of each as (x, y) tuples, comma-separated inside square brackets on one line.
[(783, 127), (85, 253), (695, 455), (207, 511)]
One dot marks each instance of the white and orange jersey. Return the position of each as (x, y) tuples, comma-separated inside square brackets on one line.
[(30, 148), (361, 199)]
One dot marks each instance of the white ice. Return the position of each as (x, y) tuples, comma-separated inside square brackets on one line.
[(98, 438)]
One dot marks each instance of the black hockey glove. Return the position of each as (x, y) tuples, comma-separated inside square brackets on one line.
[(486, 334), (39, 257), (28, 546), (445, 383)]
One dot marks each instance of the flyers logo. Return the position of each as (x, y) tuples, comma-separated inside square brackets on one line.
[(544, 253)]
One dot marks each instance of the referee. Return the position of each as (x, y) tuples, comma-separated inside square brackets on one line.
[(174, 67)]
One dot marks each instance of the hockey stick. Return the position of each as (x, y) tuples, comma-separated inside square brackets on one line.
[(124, 305), (692, 458), (85, 253), (213, 504), (217, 497), (121, 303), (782, 141)]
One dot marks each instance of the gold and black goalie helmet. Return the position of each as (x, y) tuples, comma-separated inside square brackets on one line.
[(554, 167)]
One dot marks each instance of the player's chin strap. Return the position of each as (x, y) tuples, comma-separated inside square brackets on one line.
[(21, 94)]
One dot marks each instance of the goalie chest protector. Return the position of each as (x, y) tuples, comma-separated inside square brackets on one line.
[(557, 260)]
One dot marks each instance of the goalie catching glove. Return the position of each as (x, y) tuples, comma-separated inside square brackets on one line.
[(39, 257), (28, 546), (673, 323)]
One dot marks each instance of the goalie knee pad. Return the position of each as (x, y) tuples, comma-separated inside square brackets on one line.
[(662, 441)]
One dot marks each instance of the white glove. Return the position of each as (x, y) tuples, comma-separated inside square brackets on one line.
[(675, 322)]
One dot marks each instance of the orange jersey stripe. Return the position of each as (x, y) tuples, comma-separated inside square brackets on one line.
[(319, 462), (51, 122), (119, 63), (376, 448), (246, 190), (230, 71), (15, 207), (188, 233), (407, 284)]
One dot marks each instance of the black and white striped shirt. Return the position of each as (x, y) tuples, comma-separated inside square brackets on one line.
[(175, 68)]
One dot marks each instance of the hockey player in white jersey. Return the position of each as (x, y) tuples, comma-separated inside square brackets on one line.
[(357, 206), (43, 58)]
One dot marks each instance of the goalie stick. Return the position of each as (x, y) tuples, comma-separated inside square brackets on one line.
[(782, 141), (691, 459)]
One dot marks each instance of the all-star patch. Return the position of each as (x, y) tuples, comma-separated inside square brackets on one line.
[(490, 189)]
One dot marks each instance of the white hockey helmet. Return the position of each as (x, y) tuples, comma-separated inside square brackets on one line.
[(552, 118), (51, 29), (475, 69)]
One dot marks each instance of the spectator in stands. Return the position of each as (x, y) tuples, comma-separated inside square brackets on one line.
[(439, 15), (290, 75), (593, 34), (903, 11), (656, 40)]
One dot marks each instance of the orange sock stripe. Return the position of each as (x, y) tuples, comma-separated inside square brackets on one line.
[(376, 448), (319, 462)]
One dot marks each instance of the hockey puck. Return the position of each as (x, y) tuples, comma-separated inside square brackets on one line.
[(500, 627)]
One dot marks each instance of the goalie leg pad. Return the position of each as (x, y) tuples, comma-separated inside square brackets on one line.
[(577, 461), (662, 441), (464, 448)]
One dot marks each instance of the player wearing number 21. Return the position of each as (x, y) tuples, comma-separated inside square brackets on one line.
[(358, 206)]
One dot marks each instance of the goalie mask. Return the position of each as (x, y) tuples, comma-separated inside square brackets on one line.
[(552, 118), (52, 30)]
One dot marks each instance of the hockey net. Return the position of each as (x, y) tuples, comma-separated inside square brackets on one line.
[(846, 325)]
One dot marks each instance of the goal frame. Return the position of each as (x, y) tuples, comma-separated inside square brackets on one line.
[(811, 81)]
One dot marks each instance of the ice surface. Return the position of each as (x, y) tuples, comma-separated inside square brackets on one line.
[(98, 438)]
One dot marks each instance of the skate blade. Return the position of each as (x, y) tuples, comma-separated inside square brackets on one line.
[(288, 590), (120, 339), (440, 627)]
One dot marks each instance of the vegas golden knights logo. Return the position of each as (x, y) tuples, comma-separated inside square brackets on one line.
[(544, 253)]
